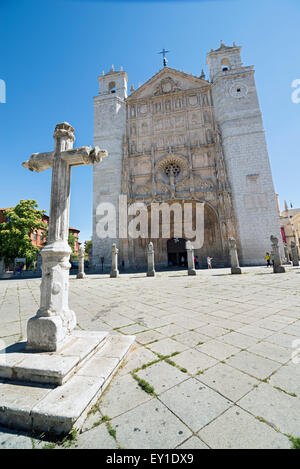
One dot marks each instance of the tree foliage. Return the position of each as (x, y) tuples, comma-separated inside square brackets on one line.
[(21, 221), (88, 245)]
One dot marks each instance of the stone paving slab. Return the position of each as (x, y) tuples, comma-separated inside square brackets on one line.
[(236, 429), (275, 407), (194, 403), (231, 383), (253, 365), (162, 376), (150, 425)]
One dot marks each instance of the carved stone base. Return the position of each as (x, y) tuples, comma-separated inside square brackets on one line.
[(81, 275), (236, 270), (151, 273), (114, 274), (192, 272), (46, 334), (279, 269)]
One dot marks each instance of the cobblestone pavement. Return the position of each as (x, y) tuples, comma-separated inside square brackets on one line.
[(214, 366)]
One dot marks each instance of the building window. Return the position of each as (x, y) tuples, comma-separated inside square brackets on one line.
[(35, 235), (112, 87)]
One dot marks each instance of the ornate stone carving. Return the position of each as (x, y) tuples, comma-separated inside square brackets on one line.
[(167, 85)]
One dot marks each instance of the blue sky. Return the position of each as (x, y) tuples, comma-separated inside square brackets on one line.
[(51, 52)]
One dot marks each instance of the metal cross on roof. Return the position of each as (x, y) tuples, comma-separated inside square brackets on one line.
[(164, 52)]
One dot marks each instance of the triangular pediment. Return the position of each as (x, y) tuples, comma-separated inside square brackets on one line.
[(168, 81)]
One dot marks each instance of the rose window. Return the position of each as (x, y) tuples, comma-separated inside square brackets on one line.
[(172, 169)]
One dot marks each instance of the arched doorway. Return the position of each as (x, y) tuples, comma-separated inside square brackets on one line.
[(176, 252)]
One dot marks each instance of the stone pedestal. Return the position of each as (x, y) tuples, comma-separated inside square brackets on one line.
[(295, 255), (234, 260), (277, 268), (54, 319), (150, 260), (114, 262), (81, 254), (190, 258)]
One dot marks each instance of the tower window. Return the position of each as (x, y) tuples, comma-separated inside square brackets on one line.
[(225, 64), (112, 87)]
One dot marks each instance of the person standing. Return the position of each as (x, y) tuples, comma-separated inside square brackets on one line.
[(209, 259), (268, 259), (272, 259), (196, 262)]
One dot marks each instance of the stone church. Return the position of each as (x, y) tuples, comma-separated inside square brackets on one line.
[(187, 138)]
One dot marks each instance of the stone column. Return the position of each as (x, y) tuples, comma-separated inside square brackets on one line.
[(286, 253), (114, 261), (295, 255), (234, 260), (150, 260), (81, 254), (190, 258), (39, 263), (278, 268)]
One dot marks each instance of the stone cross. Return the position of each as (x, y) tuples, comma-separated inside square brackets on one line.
[(234, 260), (54, 320), (278, 268), (81, 255), (190, 258), (150, 260), (114, 261), (295, 254)]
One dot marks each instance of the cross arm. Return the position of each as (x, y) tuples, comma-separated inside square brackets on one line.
[(39, 162), (83, 156)]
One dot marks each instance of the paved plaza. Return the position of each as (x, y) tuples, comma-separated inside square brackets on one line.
[(214, 364)]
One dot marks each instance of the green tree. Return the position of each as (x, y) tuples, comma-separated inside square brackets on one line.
[(21, 221), (71, 241), (88, 245)]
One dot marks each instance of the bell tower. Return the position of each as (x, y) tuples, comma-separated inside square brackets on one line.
[(109, 129), (239, 118)]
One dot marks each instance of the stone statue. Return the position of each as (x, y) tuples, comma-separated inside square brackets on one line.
[(234, 260), (190, 258), (114, 261), (277, 268), (150, 260), (295, 254)]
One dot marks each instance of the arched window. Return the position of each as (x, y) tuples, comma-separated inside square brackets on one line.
[(112, 87), (35, 235), (225, 64)]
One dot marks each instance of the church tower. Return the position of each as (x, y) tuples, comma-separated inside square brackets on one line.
[(109, 129), (238, 116)]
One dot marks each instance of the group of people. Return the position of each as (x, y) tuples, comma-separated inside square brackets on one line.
[(270, 259), (196, 260)]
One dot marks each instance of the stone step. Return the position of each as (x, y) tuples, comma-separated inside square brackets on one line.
[(19, 364), (49, 409)]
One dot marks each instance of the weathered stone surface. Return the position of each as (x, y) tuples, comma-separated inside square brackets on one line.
[(96, 438), (194, 403), (234, 260), (275, 407), (150, 425), (277, 268), (190, 258), (150, 261), (236, 429), (254, 365), (114, 262), (231, 383), (162, 376), (81, 255)]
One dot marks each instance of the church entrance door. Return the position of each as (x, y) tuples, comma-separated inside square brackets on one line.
[(176, 252)]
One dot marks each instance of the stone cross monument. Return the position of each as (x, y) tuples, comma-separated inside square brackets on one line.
[(295, 255), (190, 258), (150, 260), (114, 262), (81, 254), (54, 320), (278, 268), (234, 260)]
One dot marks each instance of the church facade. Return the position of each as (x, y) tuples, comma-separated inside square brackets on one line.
[(183, 139)]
